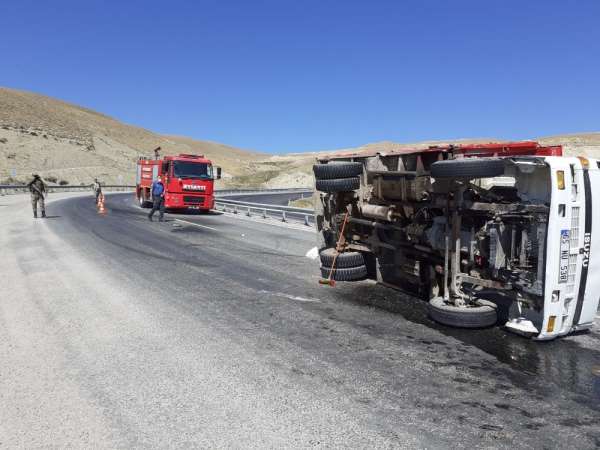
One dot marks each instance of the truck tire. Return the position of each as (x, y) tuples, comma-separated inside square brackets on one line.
[(334, 170), (468, 168), (343, 260), (346, 273), (143, 202), (338, 185), (480, 316)]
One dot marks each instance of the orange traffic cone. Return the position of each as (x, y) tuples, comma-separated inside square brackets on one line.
[(101, 208)]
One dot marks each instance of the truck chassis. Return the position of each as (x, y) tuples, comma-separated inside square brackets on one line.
[(464, 227)]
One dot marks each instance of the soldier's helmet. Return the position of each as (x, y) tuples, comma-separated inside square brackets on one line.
[(35, 175)]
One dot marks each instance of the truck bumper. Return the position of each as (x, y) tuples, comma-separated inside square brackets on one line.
[(192, 201)]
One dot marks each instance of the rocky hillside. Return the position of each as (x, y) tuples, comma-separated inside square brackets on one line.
[(581, 144), (67, 142), (298, 166), (72, 144)]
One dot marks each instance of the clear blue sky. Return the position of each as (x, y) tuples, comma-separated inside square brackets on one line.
[(283, 76)]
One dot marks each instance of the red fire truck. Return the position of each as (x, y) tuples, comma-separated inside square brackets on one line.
[(188, 179)]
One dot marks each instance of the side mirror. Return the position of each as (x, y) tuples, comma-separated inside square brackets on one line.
[(218, 173)]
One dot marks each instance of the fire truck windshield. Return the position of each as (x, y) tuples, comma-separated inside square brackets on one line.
[(192, 170)]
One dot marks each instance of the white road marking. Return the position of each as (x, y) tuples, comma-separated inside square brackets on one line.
[(291, 297), (313, 253), (196, 224)]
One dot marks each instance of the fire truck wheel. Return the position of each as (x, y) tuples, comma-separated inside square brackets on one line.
[(143, 203), (346, 273), (468, 168), (481, 315), (343, 260), (338, 185), (337, 170)]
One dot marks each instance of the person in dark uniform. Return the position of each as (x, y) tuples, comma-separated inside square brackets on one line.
[(158, 199), (37, 187), (97, 189)]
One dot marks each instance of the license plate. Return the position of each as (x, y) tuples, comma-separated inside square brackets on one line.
[(563, 271), (193, 207)]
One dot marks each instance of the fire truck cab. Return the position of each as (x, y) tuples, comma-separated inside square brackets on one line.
[(505, 233), (188, 180)]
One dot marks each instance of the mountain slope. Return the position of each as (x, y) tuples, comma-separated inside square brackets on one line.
[(68, 142), (76, 144)]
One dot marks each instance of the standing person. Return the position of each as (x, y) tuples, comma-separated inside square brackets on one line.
[(37, 187), (158, 199), (97, 189)]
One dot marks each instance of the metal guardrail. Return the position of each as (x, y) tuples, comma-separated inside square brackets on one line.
[(226, 192), (18, 188), (282, 213), (6, 189)]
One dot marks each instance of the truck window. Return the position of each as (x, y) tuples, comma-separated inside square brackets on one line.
[(192, 170)]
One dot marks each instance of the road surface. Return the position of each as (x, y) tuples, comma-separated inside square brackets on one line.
[(213, 332)]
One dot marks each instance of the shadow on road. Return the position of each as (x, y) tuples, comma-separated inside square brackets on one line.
[(562, 362)]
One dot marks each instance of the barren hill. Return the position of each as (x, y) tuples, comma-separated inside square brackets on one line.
[(68, 142)]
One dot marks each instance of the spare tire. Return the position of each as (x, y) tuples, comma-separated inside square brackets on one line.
[(468, 168), (343, 260), (338, 185), (345, 273), (337, 170), (482, 315)]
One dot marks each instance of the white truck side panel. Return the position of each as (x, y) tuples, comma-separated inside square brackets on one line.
[(592, 288)]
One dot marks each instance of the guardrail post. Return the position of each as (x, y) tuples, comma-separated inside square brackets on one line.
[(235, 211), (248, 212), (264, 213), (306, 220), (283, 216)]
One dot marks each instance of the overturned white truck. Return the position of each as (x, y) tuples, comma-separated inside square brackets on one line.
[(470, 228)]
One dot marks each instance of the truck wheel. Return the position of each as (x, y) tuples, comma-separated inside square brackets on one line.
[(143, 202), (337, 170), (338, 185), (343, 260), (483, 314), (468, 168), (346, 273)]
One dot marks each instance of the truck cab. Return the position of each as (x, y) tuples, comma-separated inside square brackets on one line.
[(487, 233), (188, 180)]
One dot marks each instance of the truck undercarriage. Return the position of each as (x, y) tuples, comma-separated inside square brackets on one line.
[(458, 229)]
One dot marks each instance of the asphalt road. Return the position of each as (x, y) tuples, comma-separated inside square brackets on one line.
[(120, 333)]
